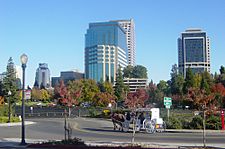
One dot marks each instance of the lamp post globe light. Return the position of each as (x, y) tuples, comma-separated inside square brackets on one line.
[(9, 110), (23, 59)]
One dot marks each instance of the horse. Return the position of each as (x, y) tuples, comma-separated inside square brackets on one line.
[(118, 119)]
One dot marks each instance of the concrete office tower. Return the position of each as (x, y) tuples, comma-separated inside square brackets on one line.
[(42, 78), (193, 51), (129, 28), (105, 50)]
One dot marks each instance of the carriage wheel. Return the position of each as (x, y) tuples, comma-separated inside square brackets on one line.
[(126, 129), (126, 126), (164, 126), (150, 127)]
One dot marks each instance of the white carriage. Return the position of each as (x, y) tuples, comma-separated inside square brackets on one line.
[(150, 122)]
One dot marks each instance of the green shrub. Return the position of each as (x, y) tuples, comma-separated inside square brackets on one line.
[(4, 119), (185, 123), (3, 110), (15, 119), (74, 141), (197, 122), (173, 123), (93, 112), (213, 122)]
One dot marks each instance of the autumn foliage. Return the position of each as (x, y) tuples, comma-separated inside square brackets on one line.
[(136, 99), (200, 98), (211, 101), (68, 98), (103, 99)]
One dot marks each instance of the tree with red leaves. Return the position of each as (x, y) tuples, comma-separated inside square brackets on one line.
[(68, 97), (219, 92), (200, 98), (136, 99)]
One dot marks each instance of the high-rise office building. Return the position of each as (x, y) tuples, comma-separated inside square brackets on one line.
[(42, 78), (193, 51), (129, 28), (105, 51)]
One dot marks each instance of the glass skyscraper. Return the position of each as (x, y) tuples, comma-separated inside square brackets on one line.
[(193, 51), (105, 51)]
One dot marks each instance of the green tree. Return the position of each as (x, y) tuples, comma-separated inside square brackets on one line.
[(161, 91), (221, 77), (120, 89), (128, 71), (139, 72), (222, 70), (75, 87), (177, 81), (174, 71), (1, 89), (189, 80), (44, 95), (206, 82), (164, 87), (89, 89), (35, 94), (9, 84), (197, 80)]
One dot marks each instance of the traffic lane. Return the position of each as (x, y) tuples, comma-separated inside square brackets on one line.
[(104, 129), (47, 129)]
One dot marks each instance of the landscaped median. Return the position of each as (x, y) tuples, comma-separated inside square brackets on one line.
[(4, 119), (79, 144)]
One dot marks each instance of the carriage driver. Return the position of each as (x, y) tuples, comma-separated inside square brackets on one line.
[(128, 116)]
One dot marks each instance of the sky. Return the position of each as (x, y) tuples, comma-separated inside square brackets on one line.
[(52, 31)]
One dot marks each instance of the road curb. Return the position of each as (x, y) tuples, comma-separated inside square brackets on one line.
[(16, 124)]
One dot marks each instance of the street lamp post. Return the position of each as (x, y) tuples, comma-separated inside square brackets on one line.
[(9, 111), (23, 59)]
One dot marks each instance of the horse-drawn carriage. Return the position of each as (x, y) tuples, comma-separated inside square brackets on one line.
[(142, 119)]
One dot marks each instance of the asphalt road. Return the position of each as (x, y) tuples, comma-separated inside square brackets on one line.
[(102, 130)]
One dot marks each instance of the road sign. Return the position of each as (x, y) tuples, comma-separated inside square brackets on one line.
[(168, 106), (167, 101), (27, 94)]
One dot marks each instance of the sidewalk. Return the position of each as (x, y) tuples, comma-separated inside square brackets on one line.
[(15, 142)]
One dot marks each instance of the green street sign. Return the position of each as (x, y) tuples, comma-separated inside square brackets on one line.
[(167, 101), (168, 106)]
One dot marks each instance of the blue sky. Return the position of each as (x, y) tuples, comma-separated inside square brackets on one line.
[(52, 31)]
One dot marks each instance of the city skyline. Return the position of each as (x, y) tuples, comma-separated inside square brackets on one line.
[(52, 32)]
